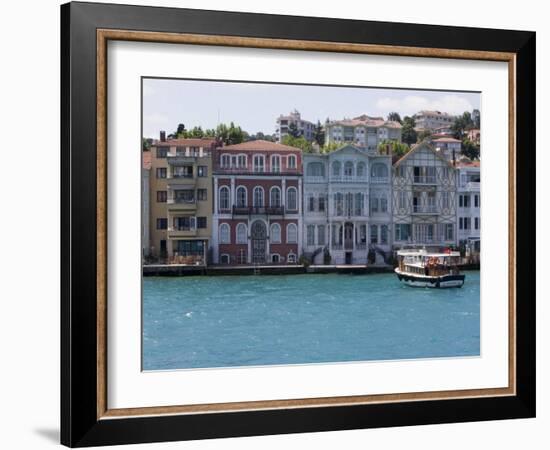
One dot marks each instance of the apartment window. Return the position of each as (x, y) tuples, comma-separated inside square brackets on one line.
[(241, 234), (476, 223), (189, 248), (184, 196), (449, 232), (275, 197), (224, 197), (275, 233), (161, 172), (310, 233), (311, 203), (374, 234), (321, 235), (258, 199), (383, 203), (445, 203), (476, 201), (467, 202), (460, 223), (384, 234), (162, 152), (361, 170), (162, 223), (242, 161), (348, 169), (225, 237), (234, 161), (379, 170), (322, 203), (241, 197), (374, 205), (194, 151), (359, 199), (339, 204), (201, 222), (276, 163), (202, 171), (291, 199), (202, 194), (184, 223), (259, 162), (182, 172), (336, 168), (291, 162), (180, 151), (162, 196), (226, 161), (291, 233), (402, 231)]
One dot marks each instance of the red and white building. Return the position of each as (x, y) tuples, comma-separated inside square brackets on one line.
[(257, 204)]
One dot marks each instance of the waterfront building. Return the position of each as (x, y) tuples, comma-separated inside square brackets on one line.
[(145, 202), (347, 207), (363, 131), (469, 204), (431, 120), (424, 198), (304, 127), (449, 147), (257, 203), (181, 200)]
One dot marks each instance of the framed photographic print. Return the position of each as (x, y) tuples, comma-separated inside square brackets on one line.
[(277, 224)]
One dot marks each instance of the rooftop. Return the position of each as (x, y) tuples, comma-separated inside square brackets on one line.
[(447, 139), (259, 145), (367, 121), (189, 142)]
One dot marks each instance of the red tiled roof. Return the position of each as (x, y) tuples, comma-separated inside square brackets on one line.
[(189, 142), (259, 145), (447, 140), (468, 164), (146, 159)]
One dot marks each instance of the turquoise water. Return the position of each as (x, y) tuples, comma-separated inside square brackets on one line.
[(193, 322)]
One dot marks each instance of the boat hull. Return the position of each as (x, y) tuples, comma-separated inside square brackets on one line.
[(444, 281)]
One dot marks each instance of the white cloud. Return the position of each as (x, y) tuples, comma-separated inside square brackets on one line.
[(411, 104)]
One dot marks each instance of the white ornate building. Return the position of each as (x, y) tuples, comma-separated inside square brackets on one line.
[(469, 203), (347, 207), (424, 198)]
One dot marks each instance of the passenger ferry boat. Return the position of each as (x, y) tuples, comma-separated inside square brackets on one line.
[(426, 269)]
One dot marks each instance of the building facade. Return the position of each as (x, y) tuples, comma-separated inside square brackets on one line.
[(181, 200), (257, 204), (303, 127), (431, 120), (347, 207), (469, 203), (449, 147), (424, 198), (145, 203), (363, 131)]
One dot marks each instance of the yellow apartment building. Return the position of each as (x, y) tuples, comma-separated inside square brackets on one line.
[(180, 201)]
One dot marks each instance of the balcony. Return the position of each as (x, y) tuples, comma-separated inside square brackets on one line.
[(258, 210), (181, 204), (181, 232), (181, 180), (315, 179), (180, 160), (347, 179), (424, 209), (470, 186), (424, 179), (379, 180)]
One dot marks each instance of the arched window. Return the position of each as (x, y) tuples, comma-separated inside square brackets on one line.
[(291, 258), (258, 197), (361, 170), (379, 170), (291, 162), (224, 259), (291, 199), (275, 233), (348, 169), (291, 233), (241, 234), (224, 198), (275, 197), (336, 166), (225, 236), (241, 197), (315, 169), (275, 163)]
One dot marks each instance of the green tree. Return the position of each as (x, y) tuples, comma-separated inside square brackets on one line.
[(146, 144), (394, 117), (397, 149), (330, 147), (476, 118), (319, 134), (235, 135), (298, 142), (423, 135), (210, 132), (180, 131), (470, 149), (293, 130), (196, 132), (462, 124), (408, 133)]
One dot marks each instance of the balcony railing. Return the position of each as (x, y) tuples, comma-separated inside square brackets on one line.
[(471, 186), (380, 180), (179, 200), (424, 179), (347, 179), (424, 209), (315, 179), (258, 210)]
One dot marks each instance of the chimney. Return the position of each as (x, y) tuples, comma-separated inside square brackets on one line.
[(163, 136)]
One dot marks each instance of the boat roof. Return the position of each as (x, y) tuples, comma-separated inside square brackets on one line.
[(426, 254)]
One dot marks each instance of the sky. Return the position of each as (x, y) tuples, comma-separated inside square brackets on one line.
[(255, 106)]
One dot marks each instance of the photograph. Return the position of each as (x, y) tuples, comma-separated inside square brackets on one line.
[(288, 224)]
